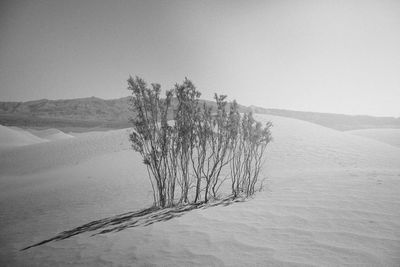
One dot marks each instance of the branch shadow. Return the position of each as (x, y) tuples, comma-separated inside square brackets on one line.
[(144, 217)]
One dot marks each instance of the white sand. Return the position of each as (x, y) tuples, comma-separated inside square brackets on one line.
[(389, 136), (70, 151), (12, 137), (51, 134), (331, 199)]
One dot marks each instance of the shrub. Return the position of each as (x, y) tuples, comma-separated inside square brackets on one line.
[(192, 150)]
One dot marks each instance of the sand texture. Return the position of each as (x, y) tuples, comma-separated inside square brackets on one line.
[(330, 198), (389, 136), (10, 138)]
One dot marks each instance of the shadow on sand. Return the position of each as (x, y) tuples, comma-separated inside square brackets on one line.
[(144, 217)]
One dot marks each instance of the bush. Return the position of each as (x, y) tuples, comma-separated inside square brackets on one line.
[(187, 146)]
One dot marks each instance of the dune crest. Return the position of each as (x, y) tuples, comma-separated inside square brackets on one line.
[(13, 138), (51, 134), (389, 136)]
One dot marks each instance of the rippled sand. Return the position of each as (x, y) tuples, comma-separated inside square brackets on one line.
[(330, 199)]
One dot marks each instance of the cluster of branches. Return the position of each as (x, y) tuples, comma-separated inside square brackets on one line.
[(188, 147)]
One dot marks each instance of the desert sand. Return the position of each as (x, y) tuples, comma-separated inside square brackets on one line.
[(389, 136), (330, 198), (51, 134), (10, 137)]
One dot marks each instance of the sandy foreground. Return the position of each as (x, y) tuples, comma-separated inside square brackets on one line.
[(330, 199)]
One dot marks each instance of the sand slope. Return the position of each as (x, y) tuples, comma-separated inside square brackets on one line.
[(67, 151), (11, 138), (331, 199), (51, 134), (389, 136)]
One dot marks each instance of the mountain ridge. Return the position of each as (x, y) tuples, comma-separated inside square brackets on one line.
[(82, 114)]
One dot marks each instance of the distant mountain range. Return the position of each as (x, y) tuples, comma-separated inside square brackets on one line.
[(72, 114), (93, 113)]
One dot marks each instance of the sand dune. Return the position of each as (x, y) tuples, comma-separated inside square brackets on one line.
[(331, 199), (68, 151), (51, 134), (11, 138), (389, 136)]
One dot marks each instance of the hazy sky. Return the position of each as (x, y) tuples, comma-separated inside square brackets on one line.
[(328, 56)]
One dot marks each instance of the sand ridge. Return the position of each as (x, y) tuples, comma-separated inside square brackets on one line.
[(10, 138), (51, 134), (389, 136)]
